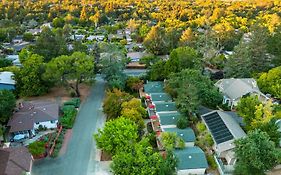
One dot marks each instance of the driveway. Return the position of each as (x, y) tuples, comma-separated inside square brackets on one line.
[(79, 158)]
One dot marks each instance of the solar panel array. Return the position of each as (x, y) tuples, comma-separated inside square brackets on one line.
[(217, 127)]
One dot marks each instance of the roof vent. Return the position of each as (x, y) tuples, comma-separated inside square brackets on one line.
[(20, 121), (160, 95), (34, 112), (167, 105), (173, 117), (181, 134), (189, 157), (44, 109)]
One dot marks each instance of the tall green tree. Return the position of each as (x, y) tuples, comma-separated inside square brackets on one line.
[(29, 79), (50, 44), (183, 58), (206, 91), (250, 57), (112, 104), (7, 105), (155, 41), (143, 160), (270, 82), (117, 136), (246, 108), (71, 70), (256, 154)]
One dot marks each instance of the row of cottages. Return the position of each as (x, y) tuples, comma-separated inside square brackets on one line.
[(234, 89), (31, 116), (164, 116)]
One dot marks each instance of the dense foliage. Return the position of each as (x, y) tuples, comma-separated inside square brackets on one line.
[(117, 135), (8, 103), (256, 154)]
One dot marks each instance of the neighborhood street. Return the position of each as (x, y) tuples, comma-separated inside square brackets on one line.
[(79, 158)]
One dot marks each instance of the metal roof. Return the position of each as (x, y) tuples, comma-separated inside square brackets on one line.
[(160, 97), (165, 106), (191, 158), (186, 134), (169, 118), (154, 87), (7, 78)]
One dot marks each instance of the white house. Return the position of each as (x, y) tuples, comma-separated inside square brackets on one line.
[(31, 116), (224, 131), (234, 89)]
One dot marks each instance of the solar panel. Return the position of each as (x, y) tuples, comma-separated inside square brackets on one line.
[(217, 127)]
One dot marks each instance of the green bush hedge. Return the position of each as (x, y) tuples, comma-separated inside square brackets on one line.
[(68, 118), (73, 102)]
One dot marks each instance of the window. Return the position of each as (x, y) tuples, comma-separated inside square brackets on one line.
[(37, 123), (53, 121)]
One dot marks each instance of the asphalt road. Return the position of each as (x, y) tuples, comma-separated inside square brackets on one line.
[(80, 153)]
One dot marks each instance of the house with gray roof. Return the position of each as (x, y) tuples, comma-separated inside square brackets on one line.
[(31, 116), (234, 89), (186, 134), (6, 81), (224, 130), (192, 160), (15, 161)]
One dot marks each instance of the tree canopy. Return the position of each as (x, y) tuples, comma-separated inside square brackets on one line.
[(256, 154), (71, 70), (7, 105), (117, 135)]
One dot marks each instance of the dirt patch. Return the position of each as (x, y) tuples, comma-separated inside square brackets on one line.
[(60, 93), (105, 156)]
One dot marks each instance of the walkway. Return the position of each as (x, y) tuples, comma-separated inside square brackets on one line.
[(79, 158)]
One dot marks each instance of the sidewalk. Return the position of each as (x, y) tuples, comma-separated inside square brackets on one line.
[(95, 166), (66, 139)]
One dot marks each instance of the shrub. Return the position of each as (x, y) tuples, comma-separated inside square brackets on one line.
[(211, 161), (74, 101), (37, 148), (182, 123), (201, 127), (68, 118)]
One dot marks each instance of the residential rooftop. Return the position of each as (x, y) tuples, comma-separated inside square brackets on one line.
[(191, 158), (186, 134), (33, 112), (160, 97), (165, 106), (15, 161), (154, 87), (224, 129), (169, 118), (7, 78), (236, 88)]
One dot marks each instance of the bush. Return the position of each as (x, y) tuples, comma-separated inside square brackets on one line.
[(37, 148), (182, 123), (74, 101), (201, 127), (68, 118), (211, 161)]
